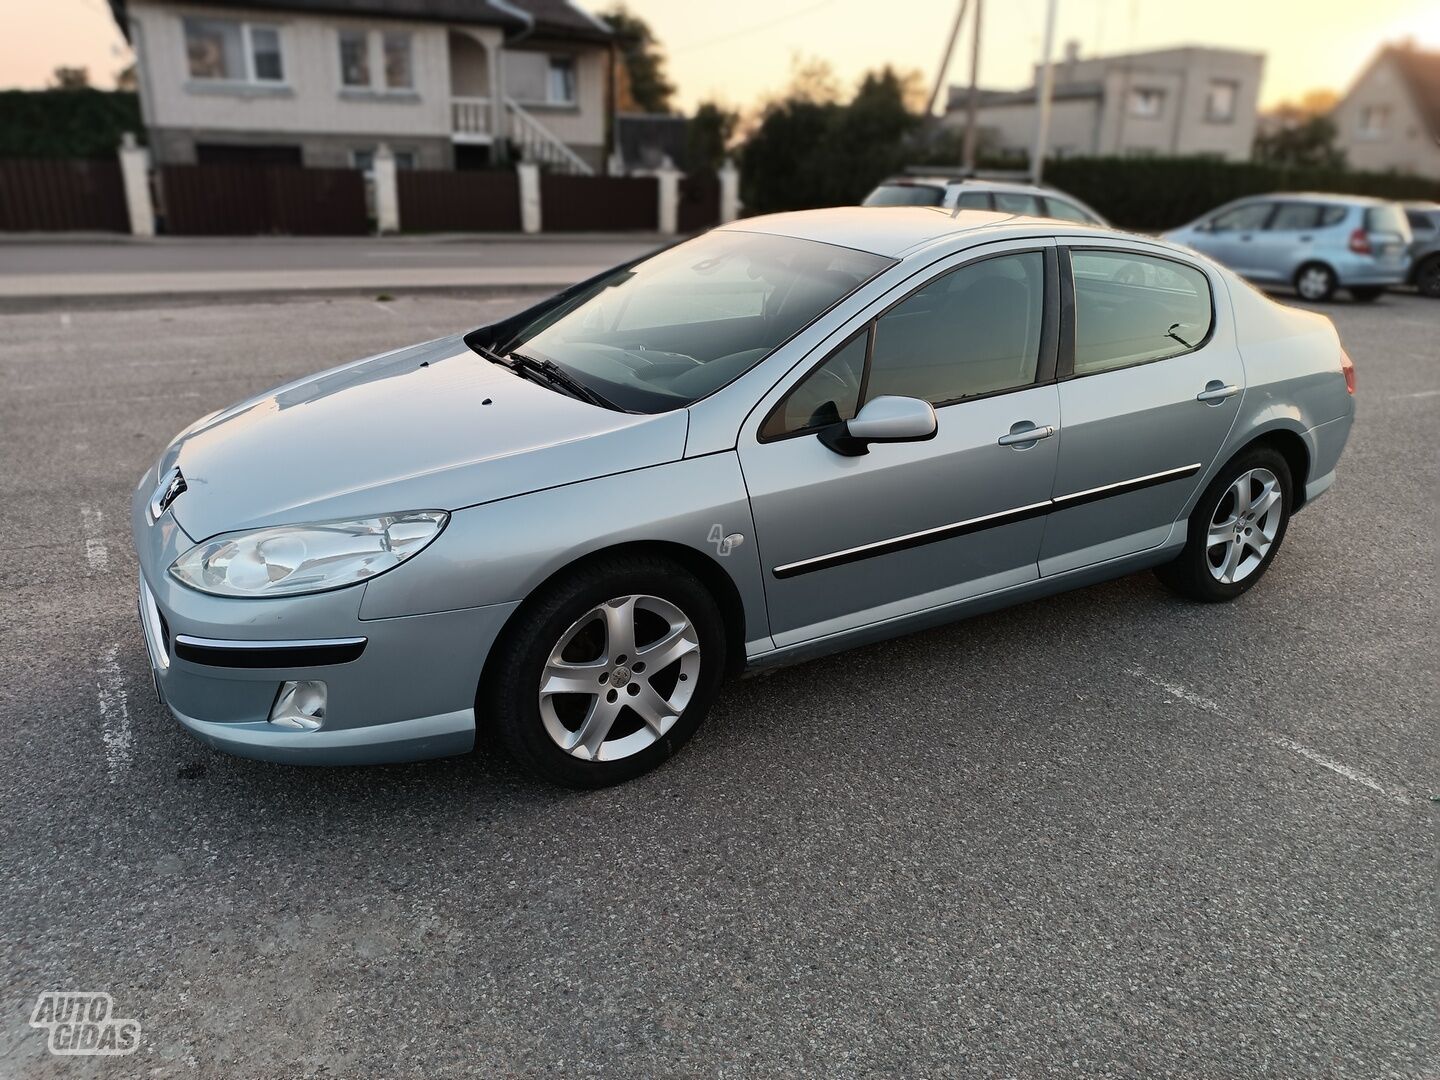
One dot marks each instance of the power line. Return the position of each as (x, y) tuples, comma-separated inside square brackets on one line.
[(752, 29)]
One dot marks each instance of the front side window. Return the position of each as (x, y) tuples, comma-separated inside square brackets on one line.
[(827, 395), (354, 58), (1146, 102), (233, 51), (1220, 101), (1241, 218), (971, 331), (684, 322), (561, 86), (1132, 308)]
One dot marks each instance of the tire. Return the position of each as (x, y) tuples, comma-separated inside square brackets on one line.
[(1199, 572), (1427, 277), (1315, 282), (1366, 294), (563, 637)]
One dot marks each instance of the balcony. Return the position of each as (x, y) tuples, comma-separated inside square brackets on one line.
[(470, 120)]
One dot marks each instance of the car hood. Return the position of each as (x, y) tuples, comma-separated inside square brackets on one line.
[(428, 427)]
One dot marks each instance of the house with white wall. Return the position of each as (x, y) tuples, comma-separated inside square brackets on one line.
[(1163, 103), (1389, 121), (322, 83)]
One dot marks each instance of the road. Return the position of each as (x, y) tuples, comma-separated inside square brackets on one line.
[(54, 275), (1105, 834)]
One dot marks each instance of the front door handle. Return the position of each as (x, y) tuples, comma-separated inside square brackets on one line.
[(1025, 434), (1216, 391)]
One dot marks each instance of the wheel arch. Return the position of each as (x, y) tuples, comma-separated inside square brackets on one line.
[(1290, 444), (716, 581)]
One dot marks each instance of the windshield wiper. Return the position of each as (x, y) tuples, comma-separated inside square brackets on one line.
[(559, 377)]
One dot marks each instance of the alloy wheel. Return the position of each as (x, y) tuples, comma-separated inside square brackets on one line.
[(619, 678), (1314, 283), (1244, 526)]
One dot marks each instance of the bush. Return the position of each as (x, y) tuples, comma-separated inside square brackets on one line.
[(1161, 193), (66, 123)]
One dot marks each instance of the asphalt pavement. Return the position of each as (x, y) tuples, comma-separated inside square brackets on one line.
[(1105, 834)]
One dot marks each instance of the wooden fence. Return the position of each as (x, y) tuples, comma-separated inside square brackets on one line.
[(246, 200), (434, 200), (55, 195), (599, 203)]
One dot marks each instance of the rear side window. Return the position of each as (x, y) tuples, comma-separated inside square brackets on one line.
[(974, 200), (1295, 216), (972, 331), (1385, 219), (905, 195), (1419, 221), (1014, 202), (1333, 215), (1131, 309), (1065, 211), (1250, 216)]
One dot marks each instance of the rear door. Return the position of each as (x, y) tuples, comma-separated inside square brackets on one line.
[(1150, 384), (1287, 241), (848, 541), (1230, 237)]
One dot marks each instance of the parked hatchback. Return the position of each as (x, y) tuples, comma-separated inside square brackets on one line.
[(1006, 198), (1316, 243), (1424, 219)]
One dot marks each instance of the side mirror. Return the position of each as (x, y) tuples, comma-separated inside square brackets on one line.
[(883, 419)]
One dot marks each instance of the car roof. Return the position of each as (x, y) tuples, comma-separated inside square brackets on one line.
[(1319, 197), (971, 183), (896, 231)]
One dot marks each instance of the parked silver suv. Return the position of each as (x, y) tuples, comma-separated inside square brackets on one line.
[(1316, 242), (973, 194), (1424, 221)]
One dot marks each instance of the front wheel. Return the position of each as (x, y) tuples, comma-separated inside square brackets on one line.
[(1235, 529), (607, 672), (1315, 282)]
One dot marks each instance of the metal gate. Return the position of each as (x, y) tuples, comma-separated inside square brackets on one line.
[(244, 200), (62, 194)]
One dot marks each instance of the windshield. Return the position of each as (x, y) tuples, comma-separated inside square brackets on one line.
[(905, 195), (686, 321)]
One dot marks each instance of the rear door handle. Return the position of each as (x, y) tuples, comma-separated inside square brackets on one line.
[(1025, 434), (1216, 391)]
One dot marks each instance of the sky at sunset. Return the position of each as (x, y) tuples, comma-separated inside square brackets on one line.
[(738, 51)]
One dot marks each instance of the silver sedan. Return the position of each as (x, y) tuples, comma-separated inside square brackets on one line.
[(791, 435)]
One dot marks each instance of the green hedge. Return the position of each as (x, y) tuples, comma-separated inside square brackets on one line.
[(66, 123), (1160, 193)]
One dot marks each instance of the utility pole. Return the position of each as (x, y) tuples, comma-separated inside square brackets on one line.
[(974, 101), (1044, 91), (945, 59)]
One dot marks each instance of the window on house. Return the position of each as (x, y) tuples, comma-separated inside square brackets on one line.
[(399, 72), (233, 51), (1374, 119), (354, 58), (560, 89), (1146, 102), (364, 160), (1220, 101)]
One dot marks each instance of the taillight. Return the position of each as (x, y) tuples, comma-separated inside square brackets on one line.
[(1360, 242), (1347, 366)]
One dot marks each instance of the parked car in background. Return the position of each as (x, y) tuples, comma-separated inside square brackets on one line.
[(1317, 243), (789, 436), (974, 194), (1424, 219)]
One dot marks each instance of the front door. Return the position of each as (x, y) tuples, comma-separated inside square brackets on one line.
[(848, 541), (1148, 395)]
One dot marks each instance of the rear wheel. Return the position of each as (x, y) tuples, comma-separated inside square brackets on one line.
[(1427, 277), (1235, 529), (607, 672), (1315, 282), (1367, 293)]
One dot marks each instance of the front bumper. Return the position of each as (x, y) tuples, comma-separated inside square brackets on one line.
[(408, 694)]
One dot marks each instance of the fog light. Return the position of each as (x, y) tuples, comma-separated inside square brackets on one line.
[(299, 705)]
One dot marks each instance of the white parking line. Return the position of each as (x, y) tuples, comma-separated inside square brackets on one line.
[(1189, 696), (114, 712), (96, 553)]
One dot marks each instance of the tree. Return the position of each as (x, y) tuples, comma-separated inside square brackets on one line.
[(643, 85), (128, 78), (71, 78), (708, 135), (1300, 133)]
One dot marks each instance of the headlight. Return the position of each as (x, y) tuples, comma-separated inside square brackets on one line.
[(287, 560)]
